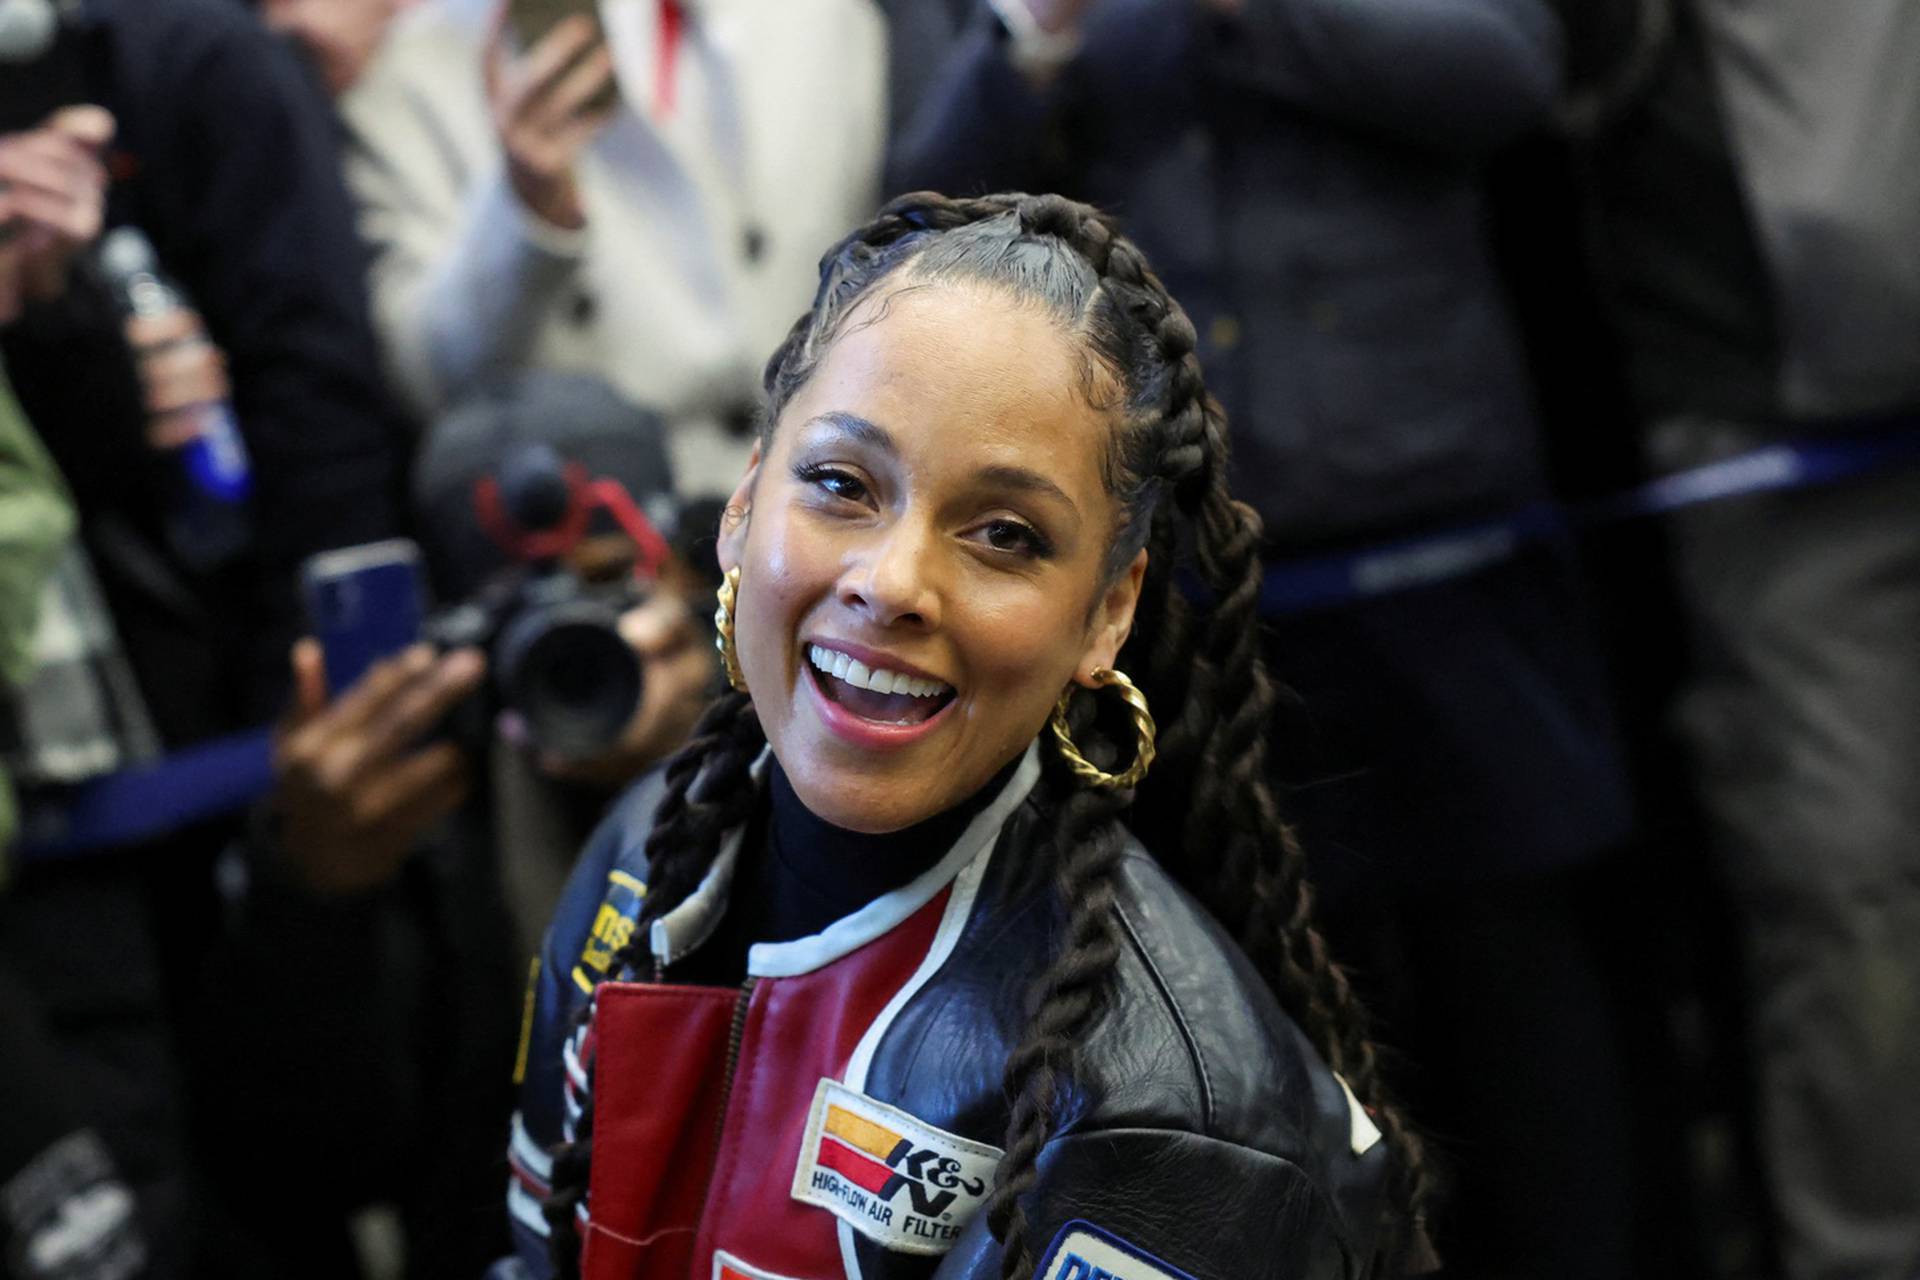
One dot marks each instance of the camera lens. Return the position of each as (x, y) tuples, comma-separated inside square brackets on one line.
[(571, 677)]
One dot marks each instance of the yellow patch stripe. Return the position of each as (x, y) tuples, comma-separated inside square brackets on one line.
[(526, 1024), (622, 878), (858, 1131), (580, 980)]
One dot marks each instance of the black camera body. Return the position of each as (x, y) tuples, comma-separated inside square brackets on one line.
[(552, 637), (544, 506), (555, 656)]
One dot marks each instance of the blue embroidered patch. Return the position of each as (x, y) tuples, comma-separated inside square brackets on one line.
[(1083, 1251)]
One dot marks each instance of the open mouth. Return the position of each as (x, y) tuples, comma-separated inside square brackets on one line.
[(875, 693)]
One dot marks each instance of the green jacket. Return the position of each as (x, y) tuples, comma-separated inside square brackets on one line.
[(36, 520)]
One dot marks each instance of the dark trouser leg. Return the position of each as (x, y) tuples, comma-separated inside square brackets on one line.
[(1803, 718)]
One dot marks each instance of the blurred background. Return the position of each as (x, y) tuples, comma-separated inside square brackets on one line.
[(1572, 354)]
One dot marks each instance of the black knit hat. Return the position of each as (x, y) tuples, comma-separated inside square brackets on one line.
[(580, 418)]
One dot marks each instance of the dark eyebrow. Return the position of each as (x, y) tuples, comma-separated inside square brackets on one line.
[(852, 424), (1021, 480), (999, 475)]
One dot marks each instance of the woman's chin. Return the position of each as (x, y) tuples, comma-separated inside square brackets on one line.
[(857, 800)]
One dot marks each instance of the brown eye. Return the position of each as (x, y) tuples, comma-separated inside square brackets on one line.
[(834, 481), (1014, 537)]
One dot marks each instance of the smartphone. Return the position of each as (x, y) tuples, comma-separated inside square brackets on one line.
[(363, 604), (531, 20)]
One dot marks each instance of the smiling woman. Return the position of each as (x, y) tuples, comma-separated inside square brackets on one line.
[(930, 505), (1044, 1015)]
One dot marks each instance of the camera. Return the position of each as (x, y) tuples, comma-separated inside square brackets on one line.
[(556, 655), (539, 503), (552, 638)]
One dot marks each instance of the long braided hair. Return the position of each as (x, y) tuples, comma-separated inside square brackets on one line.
[(1207, 809)]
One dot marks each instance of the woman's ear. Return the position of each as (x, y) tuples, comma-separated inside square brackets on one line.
[(1112, 621), (732, 543)]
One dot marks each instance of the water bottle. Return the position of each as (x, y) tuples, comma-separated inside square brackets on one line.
[(208, 479)]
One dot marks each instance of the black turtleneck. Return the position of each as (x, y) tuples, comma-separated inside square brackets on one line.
[(798, 873)]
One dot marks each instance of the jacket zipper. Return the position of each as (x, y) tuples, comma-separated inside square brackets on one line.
[(736, 1034)]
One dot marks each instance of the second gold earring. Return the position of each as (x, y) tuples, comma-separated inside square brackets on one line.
[(728, 595)]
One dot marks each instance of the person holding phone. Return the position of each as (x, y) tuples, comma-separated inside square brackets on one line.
[(632, 190)]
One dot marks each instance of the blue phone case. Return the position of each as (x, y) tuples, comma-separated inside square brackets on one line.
[(363, 604)]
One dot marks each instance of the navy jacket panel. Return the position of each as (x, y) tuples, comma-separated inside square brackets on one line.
[(594, 918), (1306, 178)]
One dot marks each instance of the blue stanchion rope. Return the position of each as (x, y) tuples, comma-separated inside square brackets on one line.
[(227, 774), (1296, 586)]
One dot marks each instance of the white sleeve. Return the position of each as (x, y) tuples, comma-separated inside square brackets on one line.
[(463, 277)]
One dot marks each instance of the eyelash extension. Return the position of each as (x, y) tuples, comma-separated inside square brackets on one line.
[(1037, 548), (814, 472)]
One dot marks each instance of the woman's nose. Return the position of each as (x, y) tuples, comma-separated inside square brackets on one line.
[(891, 580)]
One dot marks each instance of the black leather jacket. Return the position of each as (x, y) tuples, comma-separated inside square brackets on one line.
[(841, 1114)]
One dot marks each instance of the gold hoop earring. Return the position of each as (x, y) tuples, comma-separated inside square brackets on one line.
[(1143, 730), (723, 629)]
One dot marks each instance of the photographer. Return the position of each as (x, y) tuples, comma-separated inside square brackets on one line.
[(374, 818), (544, 801)]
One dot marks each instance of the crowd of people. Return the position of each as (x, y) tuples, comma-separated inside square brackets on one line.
[(1569, 356)]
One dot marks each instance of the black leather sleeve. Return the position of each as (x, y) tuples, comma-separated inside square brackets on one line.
[(1186, 1203)]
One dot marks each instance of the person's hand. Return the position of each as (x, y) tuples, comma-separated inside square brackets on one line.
[(180, 370), (680, 665), (356, 790), (547, 104), (53, 191)]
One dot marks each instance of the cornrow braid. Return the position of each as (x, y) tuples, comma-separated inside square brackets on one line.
[(708, 793), (1208, 806), (1084, 848), (1241, 860), (1266, 902), (1234, 822)]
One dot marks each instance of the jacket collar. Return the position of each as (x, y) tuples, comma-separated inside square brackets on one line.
[(690, 924)]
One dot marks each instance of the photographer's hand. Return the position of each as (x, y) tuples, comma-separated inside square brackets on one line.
[(546, 109), (680, 666), (357, 789), (53, 187)]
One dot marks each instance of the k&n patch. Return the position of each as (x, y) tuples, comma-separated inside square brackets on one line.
[(897, 1181), (1083, 1251)]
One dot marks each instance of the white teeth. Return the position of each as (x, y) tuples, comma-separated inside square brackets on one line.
[(879, 680)]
